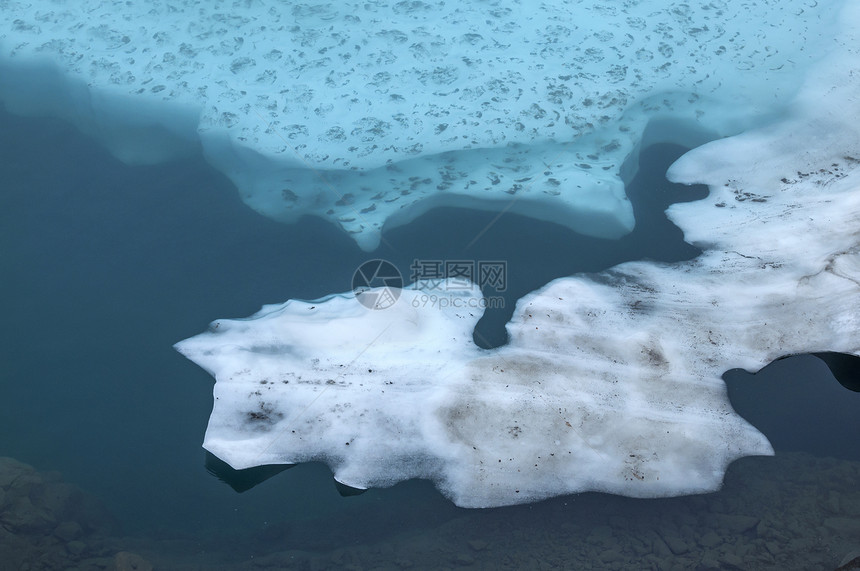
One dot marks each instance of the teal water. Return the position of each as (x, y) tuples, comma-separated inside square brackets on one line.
[(105, 266)]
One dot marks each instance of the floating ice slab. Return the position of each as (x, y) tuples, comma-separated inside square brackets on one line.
[(369, 113), (610, 382)]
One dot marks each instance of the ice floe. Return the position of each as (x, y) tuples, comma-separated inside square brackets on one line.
[(370, 113), (610, 381)]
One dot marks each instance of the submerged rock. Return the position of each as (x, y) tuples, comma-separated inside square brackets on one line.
[(46, 523), (127, 561)]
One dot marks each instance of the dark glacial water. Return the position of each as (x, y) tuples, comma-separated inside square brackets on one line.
[(104, 266)]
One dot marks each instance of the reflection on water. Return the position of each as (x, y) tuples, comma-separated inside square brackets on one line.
[(105, 266)]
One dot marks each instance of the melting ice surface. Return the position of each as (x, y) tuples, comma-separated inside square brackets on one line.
[(374, 112), (369, 113), (610, 382)]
